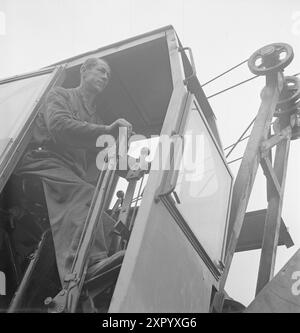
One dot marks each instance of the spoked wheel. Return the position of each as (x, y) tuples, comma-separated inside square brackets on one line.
[(270, 58)]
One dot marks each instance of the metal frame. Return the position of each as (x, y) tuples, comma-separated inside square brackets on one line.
[(247, 172), (45, 244), (16, 147), (184, 226), (172, 117), (168, 185), (276, 176), (116, 47), (67, 299), (27, 75)]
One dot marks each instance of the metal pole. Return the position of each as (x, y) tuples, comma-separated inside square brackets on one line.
[(273, 217), (247, 172)]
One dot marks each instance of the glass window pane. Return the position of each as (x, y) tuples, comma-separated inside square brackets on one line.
[(203, 186), (16, 102)]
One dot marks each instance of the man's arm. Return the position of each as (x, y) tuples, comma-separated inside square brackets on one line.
[(64, 128)]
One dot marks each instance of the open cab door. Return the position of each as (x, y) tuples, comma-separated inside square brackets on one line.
[(175, 254)]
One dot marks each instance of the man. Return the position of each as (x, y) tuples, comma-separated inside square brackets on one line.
[(65, 130)]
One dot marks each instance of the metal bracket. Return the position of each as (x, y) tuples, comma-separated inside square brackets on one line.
[(182, 49), (275, 139), (58, 303), (270, 175)]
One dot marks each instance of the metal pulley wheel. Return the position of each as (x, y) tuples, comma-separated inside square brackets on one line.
[(289, 96), (295, 122), (270, 58)]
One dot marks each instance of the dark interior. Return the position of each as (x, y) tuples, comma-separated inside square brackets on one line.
[(139, 89)]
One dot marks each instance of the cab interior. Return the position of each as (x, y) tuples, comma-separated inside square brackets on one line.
[(139, 91)]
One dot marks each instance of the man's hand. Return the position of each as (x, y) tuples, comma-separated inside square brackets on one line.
[(120, 123)]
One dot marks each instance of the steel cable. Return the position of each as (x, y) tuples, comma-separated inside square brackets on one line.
[(234, 86), (229, 70)]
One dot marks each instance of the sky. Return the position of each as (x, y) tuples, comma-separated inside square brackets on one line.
[(36, 33)]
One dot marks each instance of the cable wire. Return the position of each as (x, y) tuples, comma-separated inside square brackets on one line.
[(229, 88), (229, 70), (245, 138), (234, 86), (242, 135), (237, 159)]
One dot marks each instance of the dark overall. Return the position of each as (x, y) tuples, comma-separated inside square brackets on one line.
[(66, 130)]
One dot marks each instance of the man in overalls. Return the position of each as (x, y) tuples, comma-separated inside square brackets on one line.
[(65, 130)]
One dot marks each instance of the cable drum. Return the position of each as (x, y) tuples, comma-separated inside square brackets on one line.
[(295, 122), (289, 96)]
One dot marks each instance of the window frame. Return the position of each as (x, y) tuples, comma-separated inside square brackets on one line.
[(166, 193), (15, 147)]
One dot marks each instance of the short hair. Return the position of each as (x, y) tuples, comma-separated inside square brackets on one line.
[(92, 62)]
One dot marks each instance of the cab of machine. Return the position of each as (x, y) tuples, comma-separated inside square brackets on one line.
[(175, 254)]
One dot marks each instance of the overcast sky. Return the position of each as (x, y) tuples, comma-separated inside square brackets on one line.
[(36, 33)]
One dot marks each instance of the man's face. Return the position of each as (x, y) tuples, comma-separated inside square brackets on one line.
[(97, 77)]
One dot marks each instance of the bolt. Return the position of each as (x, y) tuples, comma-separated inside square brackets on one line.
[(120, 194), (48, 301)]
